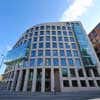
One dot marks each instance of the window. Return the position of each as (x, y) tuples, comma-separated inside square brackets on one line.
[(58, 27), (75, 53), (40, 62), (72, 73), (70, 62), (64, 72), (83, 83), (73, 46), (53, 27), (34, 46), (80, 72), (74, 83), (47, 53), (54, 45), (78, 63), (91, 83), (59, 32), (47, 45), (62, 53), (47, 32), (32, 62), (55, 53), (41, 32), (53, 32), (72, 39), (40, 45), (63, 62), (59, 38), (41, 38), (98, 82), (55, 62), (60, 45), (33, 54), (63, 28), (65, 83), (70, 33), (47, 38), (40, 53), (67, 45), (48, 62), (35, 39), (53, 38), (41, 27), (66, 39), (64, 33), (36, 33), (47, 27), (68, 52)]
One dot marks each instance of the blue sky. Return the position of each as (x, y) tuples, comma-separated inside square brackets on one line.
[(18, 15)]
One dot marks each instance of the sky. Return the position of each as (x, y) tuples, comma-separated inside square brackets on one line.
[(16, 16)]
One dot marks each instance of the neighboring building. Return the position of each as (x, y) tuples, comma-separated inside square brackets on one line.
[(53, 57), (94, 36)]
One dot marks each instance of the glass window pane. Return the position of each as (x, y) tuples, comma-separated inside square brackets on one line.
[(72, 73), (75, 53), (53, 32), (72, 39), (66, 39), (33, 53), (47, 45), (77, 61), (60, 45), (47, 38), (32, 62), (58, 27), (67, 45), (55, 62), (64, 72), (40, 62), (40, 53), (73, 46), (54, 45), (68, 52), (47, 32), (63, 62), (59, 38), (64, 33), (34, 46), (47, 53), (48, 62), (40, 45), (41, 32), (55, 53), (41, 38), (70, 61), (62, 53), (53, 38), (59, 32)]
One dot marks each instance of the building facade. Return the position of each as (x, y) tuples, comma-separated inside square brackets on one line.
[(94, 36), (53, 57)]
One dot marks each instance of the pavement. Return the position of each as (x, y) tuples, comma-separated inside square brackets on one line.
[(82, 95)]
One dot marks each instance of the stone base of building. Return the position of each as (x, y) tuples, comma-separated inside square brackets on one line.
[(53, 79)]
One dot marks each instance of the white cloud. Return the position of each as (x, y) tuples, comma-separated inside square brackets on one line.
[(76, 10)]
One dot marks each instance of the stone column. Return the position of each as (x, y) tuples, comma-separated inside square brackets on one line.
[(34, 80), (43, 80), (52, 79), (14, 79), (19, 80), (61, 79), (26, 80)]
